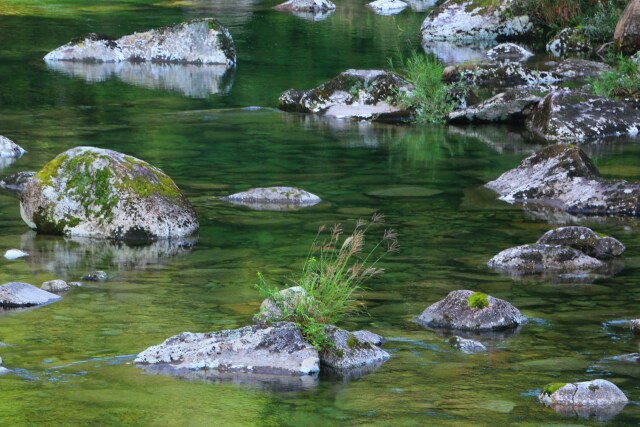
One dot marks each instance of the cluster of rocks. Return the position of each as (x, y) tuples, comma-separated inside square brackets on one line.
[(321, 9)]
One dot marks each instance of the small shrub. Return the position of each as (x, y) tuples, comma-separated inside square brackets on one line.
[(334, 271), (623, 81), (600, 26)]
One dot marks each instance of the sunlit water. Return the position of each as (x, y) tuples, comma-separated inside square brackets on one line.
[(71, 361)]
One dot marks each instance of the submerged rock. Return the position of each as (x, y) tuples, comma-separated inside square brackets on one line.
[(18, 294), (511, 106), (564, 177), (95, 276), (573, 115), (15, 254), (349, 351), (361, 94), (9, 149), (468, 20), (509, 51), (507, 74), (626, 37), (387, 7), (598, 398), (569, 40), (17, 181), (466, 345), (580, 69), (201, 41), (472, 311), (273, 198), (55, 286), (93, 192), (537, 258), (585, 240), (278, 349)]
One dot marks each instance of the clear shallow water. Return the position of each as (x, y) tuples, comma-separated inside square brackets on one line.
[(72, 359)]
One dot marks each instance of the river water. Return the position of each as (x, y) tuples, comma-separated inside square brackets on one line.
[(71, 361)]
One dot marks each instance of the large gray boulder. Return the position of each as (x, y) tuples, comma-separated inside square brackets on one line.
[(511, 106), (507, 74), (538, 258), (201, 41), (18, 294), (598, 398), (471, 311), (568, 115), (569, 40), (585, 240), (627, 33), (9, 149), (469, 20), (273, 198), (262, 349), (361, 94), (562, 176), (349, 351), (94, 192)]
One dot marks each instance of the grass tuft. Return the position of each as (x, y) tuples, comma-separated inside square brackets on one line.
[(623, 81)]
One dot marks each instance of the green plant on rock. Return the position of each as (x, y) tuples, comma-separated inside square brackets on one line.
[(478, 300), (551, 388), (334, 271), (623, 81)]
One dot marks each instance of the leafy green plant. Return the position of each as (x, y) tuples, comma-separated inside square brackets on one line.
[(558, 14), (333, 273), (600, 25), (622, 81)]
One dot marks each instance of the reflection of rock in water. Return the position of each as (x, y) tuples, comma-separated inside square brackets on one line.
[(453, 54), (308, 16), (503, 139), (421, 5), (264, 382), (196, 81), (58, 254)]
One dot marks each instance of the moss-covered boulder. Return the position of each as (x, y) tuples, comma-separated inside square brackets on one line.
[(600, 399), (94, 192), (348, 351)]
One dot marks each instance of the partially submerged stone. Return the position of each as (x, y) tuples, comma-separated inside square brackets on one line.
[(507, 74), (17, 181), (55, 286), (201, 41), (9, 149), (18, 294), (387, 7), (15, 254), (275, 349), (360, 94), (599, 398), (537, 258), (466, 345), (564, 177), (273, 198), (94, 192), (348, 351), (568, 115), (511, 106), (585, 240), (308, 9), (569, 40), (95, 276), (508, 51), (468, 20), (580, 69), (472, 311)]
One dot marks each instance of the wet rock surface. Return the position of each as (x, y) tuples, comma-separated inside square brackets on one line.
[(273, 198), (15, 254), (9, 149), (507, 74), (310, 6), (568, 40), (55, 286), (95, 276), (93, 192), (580, 69), (466, 345), (458, 311), (508, 52), (387, 7), (370, 337), (511, 106), (562, 176), (201, 41), (537, 258), (600, 399), (17, 181), (18, 294), (277, 350), (349, 351), (585, 240)]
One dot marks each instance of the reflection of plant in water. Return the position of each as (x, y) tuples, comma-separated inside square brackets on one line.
[(429, 146)]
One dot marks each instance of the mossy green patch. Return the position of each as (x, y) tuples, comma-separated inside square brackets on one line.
[(51, 170), (551, 388), (352, 341), (478, 300)]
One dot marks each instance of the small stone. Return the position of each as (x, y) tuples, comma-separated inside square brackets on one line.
[(9, 149), (466, 345), (15, 254), (75, 284), (635, 326), (349, 352), (95, 276), (387, 7), (55, 286), (536, 258), (310, 6), (273, 198), (599, 398)]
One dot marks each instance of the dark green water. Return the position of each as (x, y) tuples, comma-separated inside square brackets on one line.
[(73, 359)]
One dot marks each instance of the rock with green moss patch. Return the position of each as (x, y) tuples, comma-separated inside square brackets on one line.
[(348, 351), (585, 240), (93, 192), (455, 312), (201, 41), (600, 399), (273, 198), (466, 345)]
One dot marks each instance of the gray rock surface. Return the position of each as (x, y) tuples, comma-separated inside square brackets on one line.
[(311, 6), (361, 94), (466, 345), (455, 312), (599, 398), (94, 192), (568, 115), (626, 37), (95, 276), (55, 286), (15, 254), (564, 177), (387, 7), (421, 5), (18, 294), (511, 106), (9, 149), (508, 51), (635, 326), (349, 351), (276, 349), (271, 311), (370, 337), (537, 258), (469, 20), (585, 240), (507, 74), (201, 41), (273, 198), (568, 40), (17, 181), (580, 69)]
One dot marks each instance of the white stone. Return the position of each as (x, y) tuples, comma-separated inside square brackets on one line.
[(9, 149), (15, 254), (387, 7)]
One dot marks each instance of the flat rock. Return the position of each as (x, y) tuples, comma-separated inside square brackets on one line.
[(9, 149), (507, 74), (201, 41), (18, 294), (585, 240), (273, 198), (599, 398), (538, 258), (95, 276), (512, 106), (277, 349), (55, 286), (508, 51), (569, 40), (350, 352), (387, 7), (580, 69), (455, 312), (568, 115), (563, 176), (17, 181), (466, 345), (15, 254)]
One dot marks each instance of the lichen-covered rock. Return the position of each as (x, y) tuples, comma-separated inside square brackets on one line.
[(18, 294), (585, 240), (466, 345), (93, 192), (506, 75), (508, 51), (537, 258), (276, 349), (471, 311), (349, 351), (569, 40), (370, 337), (635, 326), (273, 198), (201, 41), (272, 311), (564, 177), (580, 69), (55, 286), (468, 20), (387, 7), (627, 33), (17, 181), (578, 398), (310, 6), (95, 276), (15, 254), (362, 94), (421, 5), (9, 149), (566, 115), (510, 106)]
